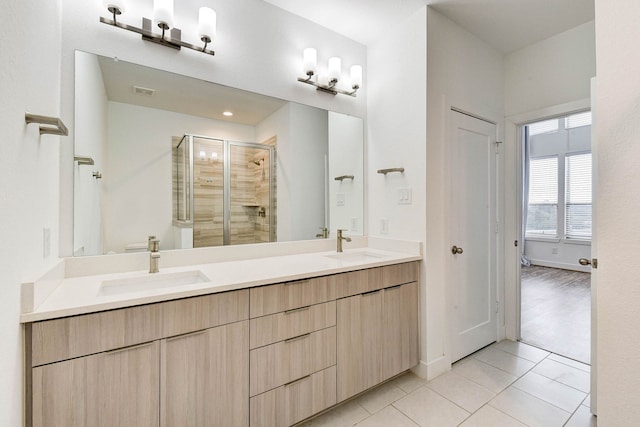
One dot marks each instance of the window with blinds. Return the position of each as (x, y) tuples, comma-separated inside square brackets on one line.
[(542, 210), (578, 196)]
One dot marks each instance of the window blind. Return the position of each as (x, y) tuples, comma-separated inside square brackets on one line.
[(542, 208), (578, 196), (577, 120), (543, 127)]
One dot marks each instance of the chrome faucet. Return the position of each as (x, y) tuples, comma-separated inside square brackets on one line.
[(154, 254), (340, 239), (324, 234)]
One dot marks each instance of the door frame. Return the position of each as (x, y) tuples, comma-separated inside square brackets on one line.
[(514, 207), (513, 214)]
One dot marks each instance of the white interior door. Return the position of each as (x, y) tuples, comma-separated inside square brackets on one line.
[(473, 234)]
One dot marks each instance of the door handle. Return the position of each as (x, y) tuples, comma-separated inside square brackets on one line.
[(586, 261), (456, 250)]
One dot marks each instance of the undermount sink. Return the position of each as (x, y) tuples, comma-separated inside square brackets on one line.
[(150, 282), (356, 256)]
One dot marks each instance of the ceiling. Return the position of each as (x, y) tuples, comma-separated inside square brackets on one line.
[(507, 25), (181, 94)]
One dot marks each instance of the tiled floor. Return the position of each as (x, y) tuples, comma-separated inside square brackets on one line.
[(506, 384)]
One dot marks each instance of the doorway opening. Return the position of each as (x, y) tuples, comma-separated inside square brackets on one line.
[(555, 290)]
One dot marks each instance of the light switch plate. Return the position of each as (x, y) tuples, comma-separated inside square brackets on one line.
[(404, 196)]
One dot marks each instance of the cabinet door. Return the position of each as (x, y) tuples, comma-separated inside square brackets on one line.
[(118, 388), (206, 377), (360, 340), (400, 351)]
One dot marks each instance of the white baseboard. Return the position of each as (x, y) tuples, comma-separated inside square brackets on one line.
[(437, 367), (562, 265)]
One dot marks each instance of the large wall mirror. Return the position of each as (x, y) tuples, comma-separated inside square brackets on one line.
[(156, 155)]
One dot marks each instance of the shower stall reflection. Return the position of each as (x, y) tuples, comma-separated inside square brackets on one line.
[(224, 192)]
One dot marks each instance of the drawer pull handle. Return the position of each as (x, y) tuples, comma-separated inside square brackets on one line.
[(294, 310), (393, 287), (296, 381), (371, 292), (299, 337), (297, 282)]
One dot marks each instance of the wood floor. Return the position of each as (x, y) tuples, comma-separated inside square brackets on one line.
[(556, 311)]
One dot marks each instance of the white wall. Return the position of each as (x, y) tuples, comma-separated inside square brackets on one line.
[(551, 72), (137, 173), (30, 75), (617, 132), (397, 137), (91, 141), (346, 157), (549, 78), (466, 73), (301, 147), (258, 48)]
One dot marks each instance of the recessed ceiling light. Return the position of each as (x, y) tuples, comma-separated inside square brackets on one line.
[(227, 113)]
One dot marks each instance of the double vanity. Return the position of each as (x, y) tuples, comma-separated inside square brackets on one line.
[(265, 336)]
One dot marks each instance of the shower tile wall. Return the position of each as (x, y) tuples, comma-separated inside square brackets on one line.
[(208, 196)]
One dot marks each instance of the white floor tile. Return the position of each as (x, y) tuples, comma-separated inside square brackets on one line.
[(582, 418), (553, 392), (387, 417), (345, 415), (461, 391), (505, 361), (529, 409), (488, 416), (571, 362), (523, 350), (380, 397), (486, 375), (587, 401), (409, 382), (564, 374), (428, 408)]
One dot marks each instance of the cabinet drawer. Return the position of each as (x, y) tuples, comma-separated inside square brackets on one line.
[(280, 363), (358, 282), (293, 402), (292, 323), (69, 337), (192, 314), (290, 295)]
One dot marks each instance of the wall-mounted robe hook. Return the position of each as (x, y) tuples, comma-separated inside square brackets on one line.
[(97, 175)]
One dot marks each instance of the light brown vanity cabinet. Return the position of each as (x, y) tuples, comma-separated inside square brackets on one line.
[(268, 356), (377, 337), (130, 367)]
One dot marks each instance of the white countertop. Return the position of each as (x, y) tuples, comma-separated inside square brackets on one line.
[(68, 296)]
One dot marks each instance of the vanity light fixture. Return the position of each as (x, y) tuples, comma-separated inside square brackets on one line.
[(310, 69), (163, 18)]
